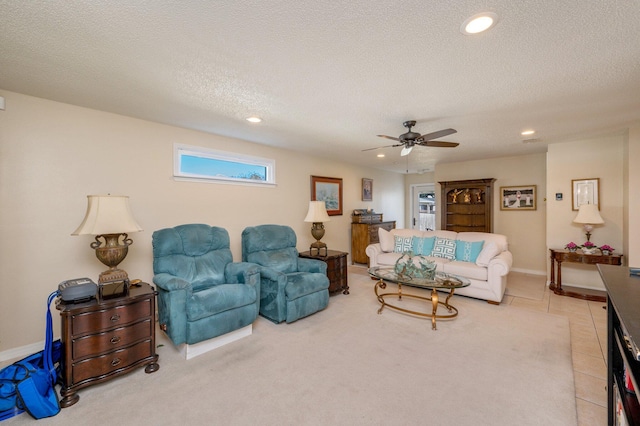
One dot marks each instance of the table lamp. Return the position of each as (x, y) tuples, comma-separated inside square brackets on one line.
[(109, 217), (588, 215), (317, 214)]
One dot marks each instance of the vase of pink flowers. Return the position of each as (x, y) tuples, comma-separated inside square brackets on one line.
[(589, 248), (571, 246), (606, 249)]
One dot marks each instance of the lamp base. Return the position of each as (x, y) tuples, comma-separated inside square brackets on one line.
[(318, 246), (111, 275)]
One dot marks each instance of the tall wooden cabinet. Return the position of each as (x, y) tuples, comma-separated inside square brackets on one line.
[(467, 205), (364, 231)]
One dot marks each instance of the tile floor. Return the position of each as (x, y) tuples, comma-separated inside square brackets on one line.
[(588, 323)]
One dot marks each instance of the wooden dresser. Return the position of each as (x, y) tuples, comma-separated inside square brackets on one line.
[(103, 339), (364, 231)]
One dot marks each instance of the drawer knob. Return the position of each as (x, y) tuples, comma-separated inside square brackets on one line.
[(115, 339), (115, 362), (115, 318)]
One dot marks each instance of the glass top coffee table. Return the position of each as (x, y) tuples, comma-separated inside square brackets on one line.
[(441, 281)]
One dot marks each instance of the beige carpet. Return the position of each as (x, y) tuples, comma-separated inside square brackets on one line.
[(347, 365)]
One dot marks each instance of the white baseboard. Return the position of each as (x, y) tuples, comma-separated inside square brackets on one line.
[(192, 351), (21, 352), (529, 271)]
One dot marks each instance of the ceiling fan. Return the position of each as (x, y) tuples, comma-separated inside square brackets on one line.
[(410, 139)]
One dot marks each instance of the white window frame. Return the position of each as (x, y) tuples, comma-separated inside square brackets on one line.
[(180, 149)]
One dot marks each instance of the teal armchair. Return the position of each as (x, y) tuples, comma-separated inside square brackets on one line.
[(201, 293), (291, 287)]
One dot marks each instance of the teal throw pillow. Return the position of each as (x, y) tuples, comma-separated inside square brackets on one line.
[(444, 248), (402, 244), (467, 251), (423, 246)]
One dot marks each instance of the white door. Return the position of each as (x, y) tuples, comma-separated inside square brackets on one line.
[(423, 207)]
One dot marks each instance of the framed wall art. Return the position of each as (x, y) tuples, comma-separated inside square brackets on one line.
[(329, 190), (367, 189), (518, 198), (585, 191)]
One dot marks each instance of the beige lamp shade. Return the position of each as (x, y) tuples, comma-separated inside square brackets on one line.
[(588, 214), (317, 212), (107, 214)]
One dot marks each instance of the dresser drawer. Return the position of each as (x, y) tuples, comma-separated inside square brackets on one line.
[(108, 318), (110, 362), (110, 340)]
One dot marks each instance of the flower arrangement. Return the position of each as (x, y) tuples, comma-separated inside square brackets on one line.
[(571, 246), (588, 245), (607, 249)]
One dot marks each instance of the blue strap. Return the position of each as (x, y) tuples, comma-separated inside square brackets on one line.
[(48, 344)]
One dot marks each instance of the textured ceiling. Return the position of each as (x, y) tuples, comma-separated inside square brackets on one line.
[(328, 78)]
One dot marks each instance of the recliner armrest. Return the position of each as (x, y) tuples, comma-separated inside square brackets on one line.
[(311, 265), (169, 282), (242, 273)]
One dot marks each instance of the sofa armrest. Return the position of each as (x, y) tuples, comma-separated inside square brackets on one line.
[(173, 293), (373, 250), (311, 265), (500, 265), (244, 273)]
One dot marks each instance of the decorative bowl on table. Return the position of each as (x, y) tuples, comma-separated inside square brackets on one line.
[(415, 266)]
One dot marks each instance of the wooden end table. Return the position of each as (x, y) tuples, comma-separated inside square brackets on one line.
[(336, 269), (562, 255), (103, 339)]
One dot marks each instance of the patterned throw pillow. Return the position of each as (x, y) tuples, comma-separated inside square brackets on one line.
[(445, 248), (467, 251), (402, 244), (422, 246)]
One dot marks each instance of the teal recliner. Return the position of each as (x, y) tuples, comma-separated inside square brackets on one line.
[(202, 293), (291, 287)]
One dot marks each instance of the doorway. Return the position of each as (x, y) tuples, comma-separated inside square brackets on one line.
[(423, 207)]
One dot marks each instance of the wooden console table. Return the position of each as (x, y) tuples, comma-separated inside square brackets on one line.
[(559, 256)]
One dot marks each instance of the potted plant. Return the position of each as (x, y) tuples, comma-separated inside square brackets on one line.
[(588, 247), (571, 246), (606, 249)]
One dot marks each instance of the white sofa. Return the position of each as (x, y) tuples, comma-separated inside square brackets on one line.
[(488, 274)]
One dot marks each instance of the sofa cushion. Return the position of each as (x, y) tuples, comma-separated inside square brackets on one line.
[(401, 244), (489, 251), (467, 251), (466, 269), (445, 248), (422, 246), (386, 240)]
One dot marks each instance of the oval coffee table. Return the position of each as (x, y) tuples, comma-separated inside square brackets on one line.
[(441, 281)]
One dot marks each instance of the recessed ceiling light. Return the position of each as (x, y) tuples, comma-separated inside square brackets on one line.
[(380, 155), (479, 23), (254, 119), (528, 132)]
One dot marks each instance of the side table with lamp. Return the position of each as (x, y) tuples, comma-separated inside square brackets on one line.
[(588, 215), (336, 260), (113, 333)]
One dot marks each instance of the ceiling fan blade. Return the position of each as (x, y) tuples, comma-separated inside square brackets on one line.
[(439, 144), (406, 151), (438, 134), (380, 147), (389, 137)]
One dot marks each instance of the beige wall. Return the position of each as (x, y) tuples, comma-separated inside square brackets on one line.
[(53, 155), (632, 197), (601, 158), (525, 230)]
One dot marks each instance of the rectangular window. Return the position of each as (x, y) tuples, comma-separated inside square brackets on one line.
[(195, 163)]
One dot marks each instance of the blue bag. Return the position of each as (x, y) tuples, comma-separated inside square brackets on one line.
[(29, 384)]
